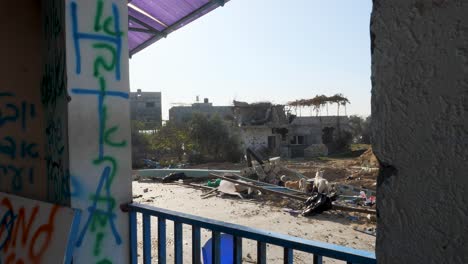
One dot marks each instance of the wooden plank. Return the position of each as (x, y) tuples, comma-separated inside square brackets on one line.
[(260, 188), (336, 207)]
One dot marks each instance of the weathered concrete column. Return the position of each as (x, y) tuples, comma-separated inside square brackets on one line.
[(420, 125), (64, 116), (99, 126)]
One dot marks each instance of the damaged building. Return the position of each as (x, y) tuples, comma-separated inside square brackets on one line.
[(146, 108), (276, 131), (205, 108)]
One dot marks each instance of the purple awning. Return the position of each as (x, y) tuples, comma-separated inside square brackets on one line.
[(151, 20)]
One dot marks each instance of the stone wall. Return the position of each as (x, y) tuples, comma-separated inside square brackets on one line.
[(420, 125)]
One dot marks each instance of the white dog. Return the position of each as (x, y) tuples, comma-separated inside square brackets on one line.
[(321, 184)]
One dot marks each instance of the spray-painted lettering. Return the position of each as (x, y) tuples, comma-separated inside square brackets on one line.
[(22, 238), (105, 38)]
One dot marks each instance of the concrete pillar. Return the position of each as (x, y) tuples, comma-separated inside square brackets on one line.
[(420, 124), (64, 115), (99, 126)]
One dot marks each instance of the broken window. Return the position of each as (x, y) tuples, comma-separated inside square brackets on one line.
[(271, 142), (297, 140)]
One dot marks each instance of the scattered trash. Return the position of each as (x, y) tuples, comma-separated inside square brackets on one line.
[(214, 183), (174, 177), (353, 218), (317, 204), (292, 211), (372, 218), (369, 230)]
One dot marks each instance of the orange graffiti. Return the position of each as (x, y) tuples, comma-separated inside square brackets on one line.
[(35, 240)]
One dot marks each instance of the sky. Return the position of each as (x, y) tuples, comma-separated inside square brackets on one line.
[(263, 50)]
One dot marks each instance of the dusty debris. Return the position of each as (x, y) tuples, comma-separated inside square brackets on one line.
[(368, 159), (175, 177)]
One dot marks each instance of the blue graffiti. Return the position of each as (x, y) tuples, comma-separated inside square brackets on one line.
[(7, 221), (13, 112), (101, 94), (17, 175), (102, 216), (26, 150), (77, 189), (77, 36)]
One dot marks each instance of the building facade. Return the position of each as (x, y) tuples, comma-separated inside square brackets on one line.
[(271, 128), (146, 107), (184, 113)]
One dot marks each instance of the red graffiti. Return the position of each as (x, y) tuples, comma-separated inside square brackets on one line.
[(19, 233)]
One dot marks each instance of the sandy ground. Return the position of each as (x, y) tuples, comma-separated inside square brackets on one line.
[(332, 227)]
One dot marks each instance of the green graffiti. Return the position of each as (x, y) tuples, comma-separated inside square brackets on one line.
[(108, 132), (98, 243), (113, 163), (100, 62), (106, 26), (104, 261)]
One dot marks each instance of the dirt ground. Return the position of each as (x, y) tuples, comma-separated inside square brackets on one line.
[(360, 171), (332, 227)]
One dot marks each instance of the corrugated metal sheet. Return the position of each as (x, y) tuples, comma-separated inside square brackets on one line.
[(151, 20)]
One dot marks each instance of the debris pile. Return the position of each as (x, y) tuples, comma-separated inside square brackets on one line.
[(368, 159)]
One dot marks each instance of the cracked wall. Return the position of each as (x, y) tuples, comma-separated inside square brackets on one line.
[(420, 124)]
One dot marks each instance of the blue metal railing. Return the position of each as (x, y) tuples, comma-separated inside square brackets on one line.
[(289, 243)]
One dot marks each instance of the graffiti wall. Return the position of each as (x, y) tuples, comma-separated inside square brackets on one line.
[(22, 166), (32, 231), (99, 127)]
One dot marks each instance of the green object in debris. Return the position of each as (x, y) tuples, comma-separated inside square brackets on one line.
[(214, 184)]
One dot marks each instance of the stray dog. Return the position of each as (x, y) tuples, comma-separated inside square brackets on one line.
[(296, 185), (321, 184)]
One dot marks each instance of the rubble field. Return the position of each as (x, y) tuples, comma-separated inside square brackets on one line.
[(333, 226)]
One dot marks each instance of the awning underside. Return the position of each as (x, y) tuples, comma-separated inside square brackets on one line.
[(151, 20)]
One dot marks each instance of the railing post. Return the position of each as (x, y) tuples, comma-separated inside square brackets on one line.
[(216, 247), (196, 245), (237, 250), (146, 239), (161, 240), (261, 252), (178, 243), (288, 256), (317, 259), (133, 237)]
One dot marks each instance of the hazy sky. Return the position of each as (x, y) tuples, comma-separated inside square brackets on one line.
[(263, 50)]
